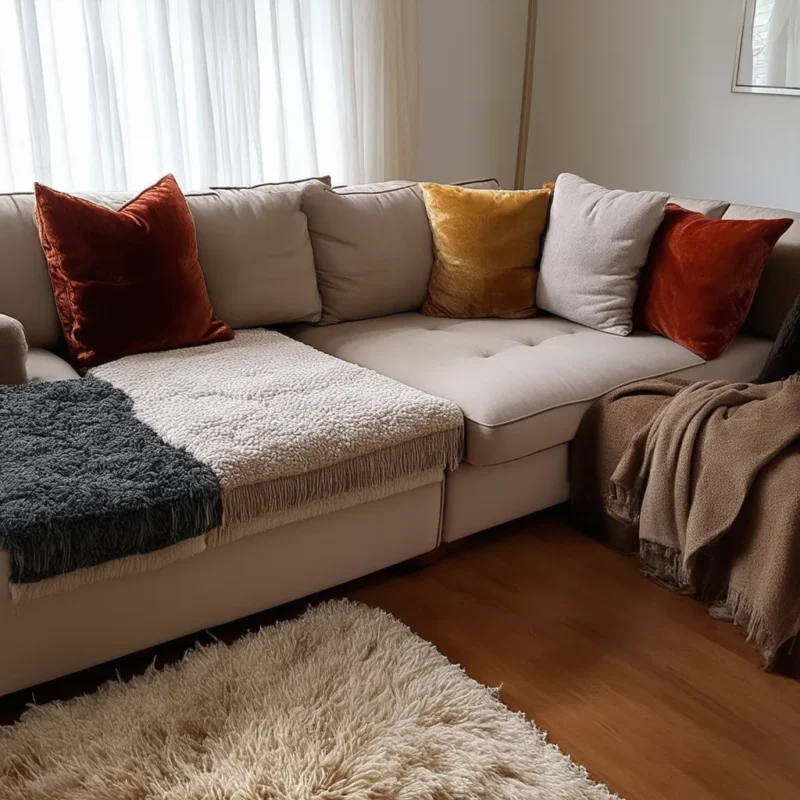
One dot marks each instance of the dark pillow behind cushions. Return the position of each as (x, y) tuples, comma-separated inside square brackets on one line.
[(701, 276), (126, 281), (784, 358)]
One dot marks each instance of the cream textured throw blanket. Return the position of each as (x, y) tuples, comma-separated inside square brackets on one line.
[(158, 456), (712, 481), (283, 425)]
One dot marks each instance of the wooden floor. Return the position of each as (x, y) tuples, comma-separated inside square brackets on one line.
[(642, 687)]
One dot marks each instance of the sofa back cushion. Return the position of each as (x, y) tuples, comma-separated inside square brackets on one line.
[(253, 246), (256, 255), (780, 281), (713, 209), (373, 248), (25, 291)]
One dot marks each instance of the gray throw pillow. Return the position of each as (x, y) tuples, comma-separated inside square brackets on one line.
[(595, 246)]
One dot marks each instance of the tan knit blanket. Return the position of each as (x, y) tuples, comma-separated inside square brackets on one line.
[(713, 482)]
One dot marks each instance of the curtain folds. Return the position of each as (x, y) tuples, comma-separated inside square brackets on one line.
[(112, 94), (782, 47)]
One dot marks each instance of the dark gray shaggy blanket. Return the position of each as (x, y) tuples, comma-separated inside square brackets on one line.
[(83, 481)]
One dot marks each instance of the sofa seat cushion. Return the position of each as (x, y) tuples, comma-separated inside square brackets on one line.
[(523, 385), (42, 365)]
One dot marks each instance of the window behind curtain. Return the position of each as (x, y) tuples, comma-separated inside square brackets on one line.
[(111, 94)]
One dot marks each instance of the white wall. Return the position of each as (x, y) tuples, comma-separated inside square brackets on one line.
[(636, 94), (472, 54)]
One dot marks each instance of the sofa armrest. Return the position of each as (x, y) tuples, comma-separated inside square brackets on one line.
[(13, 351)]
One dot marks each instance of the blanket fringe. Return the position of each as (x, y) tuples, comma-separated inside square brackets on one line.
[(622, 504), (738, 608), (59, 543), (119, 567), (338, 502), (439, 450), (665, 566), (132, 565)]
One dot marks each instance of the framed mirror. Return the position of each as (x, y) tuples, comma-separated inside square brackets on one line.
[(768, 55)]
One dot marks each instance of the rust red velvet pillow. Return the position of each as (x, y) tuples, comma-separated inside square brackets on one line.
[(126, 281), (701, 276)]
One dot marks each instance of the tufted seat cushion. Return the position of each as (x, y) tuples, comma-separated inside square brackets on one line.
[(523, 385)]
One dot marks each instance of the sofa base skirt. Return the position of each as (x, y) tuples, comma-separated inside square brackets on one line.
[(477, 498), (55, 635)]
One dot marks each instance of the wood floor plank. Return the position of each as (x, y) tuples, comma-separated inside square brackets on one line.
[(640, 685)]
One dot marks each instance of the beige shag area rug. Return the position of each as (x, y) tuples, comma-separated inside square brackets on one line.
[(344, 702)]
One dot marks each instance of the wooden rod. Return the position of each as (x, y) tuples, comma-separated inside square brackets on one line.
[(527, 90)]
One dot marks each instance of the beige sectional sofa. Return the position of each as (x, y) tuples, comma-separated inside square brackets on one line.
[(345, 271)]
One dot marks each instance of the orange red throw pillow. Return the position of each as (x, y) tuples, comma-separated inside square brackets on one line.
[(701, 276), (126, 281)]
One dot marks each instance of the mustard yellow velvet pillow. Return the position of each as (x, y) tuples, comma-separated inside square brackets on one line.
[(487, 245)]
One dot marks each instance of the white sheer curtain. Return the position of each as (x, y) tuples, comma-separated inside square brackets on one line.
[(770, 56), (782, 46), (112, 94)]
